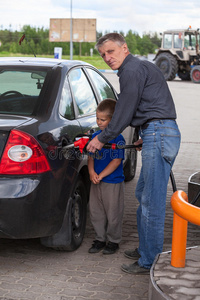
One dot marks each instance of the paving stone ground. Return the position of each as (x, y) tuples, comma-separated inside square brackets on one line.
[(31, 271)]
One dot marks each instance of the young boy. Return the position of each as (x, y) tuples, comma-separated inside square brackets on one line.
[(107, 187)]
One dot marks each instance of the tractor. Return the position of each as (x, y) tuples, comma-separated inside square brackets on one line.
[(179, 54)]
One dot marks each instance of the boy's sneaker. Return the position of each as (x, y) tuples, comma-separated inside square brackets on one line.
[(110, 248), (97, 246), (133, 254)]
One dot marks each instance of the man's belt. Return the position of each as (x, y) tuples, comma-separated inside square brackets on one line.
[(146, 124)]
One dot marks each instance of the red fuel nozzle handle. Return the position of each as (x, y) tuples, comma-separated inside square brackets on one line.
[(81, 143)]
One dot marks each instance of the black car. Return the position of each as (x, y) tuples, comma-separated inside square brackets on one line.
[(45, 104)]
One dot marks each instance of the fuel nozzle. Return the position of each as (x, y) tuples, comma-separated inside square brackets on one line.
[(81, 143)]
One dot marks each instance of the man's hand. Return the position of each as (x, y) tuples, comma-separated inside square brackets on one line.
[(94, 145), (139, 144)]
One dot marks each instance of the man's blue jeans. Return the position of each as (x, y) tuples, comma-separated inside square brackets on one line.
[(161, 142)]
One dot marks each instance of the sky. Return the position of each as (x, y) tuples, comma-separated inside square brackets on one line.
[(141, 16)]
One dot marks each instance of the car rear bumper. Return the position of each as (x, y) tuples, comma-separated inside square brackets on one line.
[(31, 207)]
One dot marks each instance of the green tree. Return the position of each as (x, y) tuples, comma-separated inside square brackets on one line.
[(146, 46), (37, 41), (155, 38), (131, 40)]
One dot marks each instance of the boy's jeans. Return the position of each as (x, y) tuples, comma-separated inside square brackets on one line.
[(161, 142)]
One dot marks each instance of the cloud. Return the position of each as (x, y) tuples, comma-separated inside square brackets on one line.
[(139, 16)]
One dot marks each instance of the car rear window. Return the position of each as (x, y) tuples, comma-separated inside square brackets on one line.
[(19, 90)]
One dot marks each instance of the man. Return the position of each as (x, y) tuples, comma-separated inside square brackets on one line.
[(144, 102)]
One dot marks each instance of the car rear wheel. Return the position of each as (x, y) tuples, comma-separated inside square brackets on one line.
[(78, 215), (72, 231)]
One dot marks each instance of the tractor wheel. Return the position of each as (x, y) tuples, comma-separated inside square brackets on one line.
[(184, 75), (195, 74), (168, 65)]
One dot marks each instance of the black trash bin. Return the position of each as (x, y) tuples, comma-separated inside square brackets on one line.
[(194, 189)]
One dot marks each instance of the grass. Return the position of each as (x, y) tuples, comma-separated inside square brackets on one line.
[(95, 60)]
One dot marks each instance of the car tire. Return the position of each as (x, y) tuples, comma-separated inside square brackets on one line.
[(131, 162), (71, 233)]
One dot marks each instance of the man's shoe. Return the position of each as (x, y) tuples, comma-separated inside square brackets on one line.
[(110, 248), (97, 246), (135, 269), (133, 254)]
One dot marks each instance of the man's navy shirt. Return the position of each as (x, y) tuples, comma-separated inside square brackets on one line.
[(144, 95)]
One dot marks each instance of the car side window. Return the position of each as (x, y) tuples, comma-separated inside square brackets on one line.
[(82, 92), (66, 104), (103, 88)]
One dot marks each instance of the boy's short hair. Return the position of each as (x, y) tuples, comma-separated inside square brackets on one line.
[(108, 106), (114, 37)]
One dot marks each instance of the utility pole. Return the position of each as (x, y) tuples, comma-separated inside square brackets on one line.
[(71, 35)]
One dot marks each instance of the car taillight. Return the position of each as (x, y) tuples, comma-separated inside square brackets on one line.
[(23, 155)]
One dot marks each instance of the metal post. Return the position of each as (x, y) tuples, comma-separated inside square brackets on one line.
[(71, 35), (184, 212)]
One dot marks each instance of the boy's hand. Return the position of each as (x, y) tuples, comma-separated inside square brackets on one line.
[(94, 145), (94, 177)]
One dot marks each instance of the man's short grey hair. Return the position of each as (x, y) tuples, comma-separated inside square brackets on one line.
[(114, 37)]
